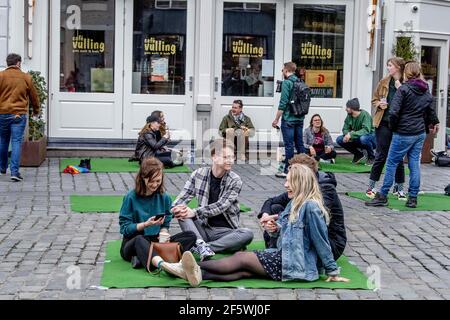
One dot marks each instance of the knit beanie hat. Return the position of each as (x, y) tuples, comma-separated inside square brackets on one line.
[(353, 104)]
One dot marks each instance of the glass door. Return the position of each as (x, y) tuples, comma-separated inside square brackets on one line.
[(159, 59), (86, 85), (435, 71), (249, 48), (319, 37)]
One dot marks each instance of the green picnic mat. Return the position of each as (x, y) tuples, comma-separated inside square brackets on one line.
[(118, 273), (115, 165), (98, 204), (425, 202), (344, 165)]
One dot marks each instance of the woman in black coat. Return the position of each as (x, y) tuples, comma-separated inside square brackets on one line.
[(151, 144)]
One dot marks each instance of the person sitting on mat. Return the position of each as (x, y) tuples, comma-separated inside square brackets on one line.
[(358, 133), (318, 142), (145, 217), (327, 183), (151, 144), (303, 248), (163, 128), (216, 220)]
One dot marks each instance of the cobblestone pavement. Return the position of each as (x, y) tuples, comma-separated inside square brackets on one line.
[(40, 238)]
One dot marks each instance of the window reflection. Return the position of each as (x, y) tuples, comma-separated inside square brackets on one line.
[(87, 46), (248, 49), (159, 48), (318, 47)]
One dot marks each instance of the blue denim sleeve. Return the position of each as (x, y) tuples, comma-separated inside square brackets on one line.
[(318, 232)]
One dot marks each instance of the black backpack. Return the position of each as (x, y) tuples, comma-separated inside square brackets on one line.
[(301, 98)]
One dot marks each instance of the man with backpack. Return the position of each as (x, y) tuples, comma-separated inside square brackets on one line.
[(293, 107)]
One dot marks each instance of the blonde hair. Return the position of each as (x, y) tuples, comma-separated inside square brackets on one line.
[(305, 187), (412, 71)]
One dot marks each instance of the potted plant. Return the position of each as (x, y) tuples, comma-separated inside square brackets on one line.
[(34, 147)]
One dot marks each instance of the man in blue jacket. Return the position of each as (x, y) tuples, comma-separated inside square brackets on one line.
[(327, 183)]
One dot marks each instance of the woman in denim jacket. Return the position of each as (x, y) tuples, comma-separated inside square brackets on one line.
[(302, 247)]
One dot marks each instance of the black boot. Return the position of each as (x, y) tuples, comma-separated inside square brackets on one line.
[(135, 263), (82, 164), (412, 202), (380, 200), (88, 164)]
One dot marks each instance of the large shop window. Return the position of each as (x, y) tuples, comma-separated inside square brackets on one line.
[(87, 46), (318, 47), (159, 47), (248, 49)]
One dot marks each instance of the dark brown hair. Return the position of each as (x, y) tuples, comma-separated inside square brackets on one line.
[(306, 160), (239, 102), (150, 168), (12, 59), (322, 128), (220, 144)]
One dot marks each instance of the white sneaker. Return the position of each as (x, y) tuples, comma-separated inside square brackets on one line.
[(203, 250), (175, 269), (324, 161), (281, 175), (191, 269), (401, 196)]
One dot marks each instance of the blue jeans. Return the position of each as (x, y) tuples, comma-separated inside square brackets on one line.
[(292, 136), (11, 129), (402, 145), (366, 142)]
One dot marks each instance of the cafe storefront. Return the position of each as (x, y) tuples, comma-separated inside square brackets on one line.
[(110, 63)]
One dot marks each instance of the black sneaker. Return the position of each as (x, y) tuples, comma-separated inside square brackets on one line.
[(17, 178), (380, 200), (2, 173), (135, 263), (411, 202), (82, 164), (357, 158), (370, 161), (88, 164)]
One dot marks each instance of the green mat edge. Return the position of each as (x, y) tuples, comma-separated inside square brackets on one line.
[(282, 285), (64, 162), (353, 194), (243, 208)]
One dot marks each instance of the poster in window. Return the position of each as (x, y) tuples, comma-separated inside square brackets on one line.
[(322, 83), (160, 69)]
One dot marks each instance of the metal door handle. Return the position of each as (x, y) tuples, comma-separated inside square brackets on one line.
[(191, 83), (216, 84)]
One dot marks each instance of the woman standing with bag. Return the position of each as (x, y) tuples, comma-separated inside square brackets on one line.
[(145, 219), (411, 117), (382, 99)]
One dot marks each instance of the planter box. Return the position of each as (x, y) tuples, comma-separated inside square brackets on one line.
[(33, 153)]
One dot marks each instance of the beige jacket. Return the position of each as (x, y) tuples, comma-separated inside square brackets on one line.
[(381, 91)]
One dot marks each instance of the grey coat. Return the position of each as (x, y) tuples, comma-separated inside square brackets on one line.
[(308, 138)]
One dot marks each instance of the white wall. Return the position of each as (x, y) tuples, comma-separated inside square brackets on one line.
[(4, 12)]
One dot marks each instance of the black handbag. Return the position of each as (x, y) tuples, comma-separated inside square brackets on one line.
[(441, 158)]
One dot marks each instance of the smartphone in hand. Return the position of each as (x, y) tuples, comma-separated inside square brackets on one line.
[(159, 216)]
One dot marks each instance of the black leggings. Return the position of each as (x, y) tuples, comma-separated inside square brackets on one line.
[(324, 156), (140, 246), (238, 266), (383, 135)]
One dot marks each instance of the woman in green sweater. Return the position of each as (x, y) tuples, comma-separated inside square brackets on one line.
[(140, 226)]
